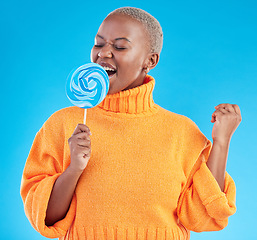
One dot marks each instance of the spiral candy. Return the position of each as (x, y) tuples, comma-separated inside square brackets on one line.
[(87, 86)]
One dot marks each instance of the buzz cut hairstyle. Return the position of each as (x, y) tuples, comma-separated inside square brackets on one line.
[(150, 23)]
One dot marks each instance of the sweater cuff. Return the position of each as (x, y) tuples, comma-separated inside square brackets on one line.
[(219, 205), (38, 206)]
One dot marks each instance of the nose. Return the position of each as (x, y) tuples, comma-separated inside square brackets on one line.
[(105, 52)]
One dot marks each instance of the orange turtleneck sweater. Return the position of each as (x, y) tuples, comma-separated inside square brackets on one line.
[(146, 179)]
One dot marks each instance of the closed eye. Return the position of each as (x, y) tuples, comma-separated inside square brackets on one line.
[(98, 45), (116, 47), (119, 48)]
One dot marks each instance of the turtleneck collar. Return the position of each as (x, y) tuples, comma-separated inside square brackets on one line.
[(133, 101)]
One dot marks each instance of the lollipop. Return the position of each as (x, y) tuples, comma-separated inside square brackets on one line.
[(87, 86)]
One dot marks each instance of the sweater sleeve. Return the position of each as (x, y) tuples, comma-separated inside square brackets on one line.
[(43, 166), (202, 205)]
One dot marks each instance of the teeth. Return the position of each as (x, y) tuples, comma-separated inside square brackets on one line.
[(108, 69)]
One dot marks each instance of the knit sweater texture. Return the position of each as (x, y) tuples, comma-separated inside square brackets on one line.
[(147, 177)]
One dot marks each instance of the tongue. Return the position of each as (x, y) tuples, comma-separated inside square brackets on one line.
[(110, 73)]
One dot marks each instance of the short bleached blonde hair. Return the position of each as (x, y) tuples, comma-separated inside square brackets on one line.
[(150, 23)]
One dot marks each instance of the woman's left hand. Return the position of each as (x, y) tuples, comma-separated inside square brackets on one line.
[(226, 119)]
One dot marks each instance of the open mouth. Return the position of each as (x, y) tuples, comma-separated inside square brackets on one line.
[(110, 71)]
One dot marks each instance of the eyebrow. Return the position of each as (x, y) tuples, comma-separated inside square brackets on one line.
[(116, 39)]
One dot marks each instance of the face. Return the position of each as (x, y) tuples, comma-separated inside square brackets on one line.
[(121, 48)]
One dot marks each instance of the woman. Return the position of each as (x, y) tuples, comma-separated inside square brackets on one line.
[(144, 172)]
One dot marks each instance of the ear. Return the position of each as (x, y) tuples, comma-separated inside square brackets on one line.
[(152, 60)]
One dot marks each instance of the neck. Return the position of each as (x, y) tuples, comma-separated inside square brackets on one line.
[(132, 101)]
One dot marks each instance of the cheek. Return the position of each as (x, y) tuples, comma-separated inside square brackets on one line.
[(131, 61), (134, 67)]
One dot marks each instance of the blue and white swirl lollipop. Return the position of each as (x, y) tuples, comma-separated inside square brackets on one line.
[(87, 86)]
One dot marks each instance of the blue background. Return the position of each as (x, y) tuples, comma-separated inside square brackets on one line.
[(209, 57)]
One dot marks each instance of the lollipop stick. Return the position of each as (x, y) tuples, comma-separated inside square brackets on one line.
[(85, 116)]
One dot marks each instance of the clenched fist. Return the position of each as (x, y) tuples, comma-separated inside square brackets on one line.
[(80, 147), (226, 119)]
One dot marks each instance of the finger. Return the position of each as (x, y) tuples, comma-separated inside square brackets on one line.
[(225, 106), (83, 135), (222, 110), (84, 147), (219, 112), (81, 128), (237, 109), (79, 137), (83, 142), (229, 107), (216, 114), (222, 105), (213, 118)]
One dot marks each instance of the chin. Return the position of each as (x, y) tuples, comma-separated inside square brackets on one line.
[(111, 90)]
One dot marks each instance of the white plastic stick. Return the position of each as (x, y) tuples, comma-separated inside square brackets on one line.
[(85, 116)]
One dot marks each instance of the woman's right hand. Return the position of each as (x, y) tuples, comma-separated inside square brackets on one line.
[(65, 185), (80, 147)]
